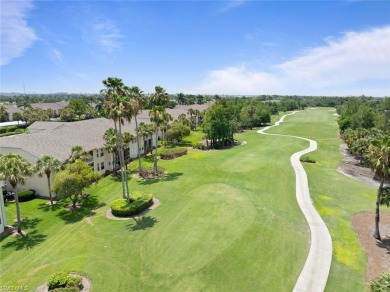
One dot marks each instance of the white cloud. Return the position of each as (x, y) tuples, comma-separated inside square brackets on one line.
[(56, 56), (357, 63), (107, 35), (16, 35)]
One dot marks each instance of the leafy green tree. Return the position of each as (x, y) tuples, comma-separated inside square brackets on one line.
[(4, 117), (16, 170), (67, 114), (70, 182), (247, 115), (31, 115), (181, 98), (220, 124), (379, 160), (17, 117), (78, 106), (50, 113), (177, 132), (48, 165)]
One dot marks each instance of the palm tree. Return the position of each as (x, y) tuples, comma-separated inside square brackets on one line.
[(182, 118), (191, 112), (16, 170), (77, 152), (48, 165), (145, 130), (379, 161), (157, 116), (110, 145), (114, 104), (158, 100), (159, 97), (136, 105)]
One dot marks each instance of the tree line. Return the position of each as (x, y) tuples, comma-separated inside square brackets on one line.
[(365, 127)]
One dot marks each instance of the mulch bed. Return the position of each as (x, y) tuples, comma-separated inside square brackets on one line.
[(378, 252)]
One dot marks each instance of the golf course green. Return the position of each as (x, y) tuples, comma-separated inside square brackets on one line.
[(228, 221)]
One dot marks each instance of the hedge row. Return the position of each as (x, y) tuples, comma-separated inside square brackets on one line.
[(18, 131), (26, 195), (141, 201), (173, 153), (8, 129)]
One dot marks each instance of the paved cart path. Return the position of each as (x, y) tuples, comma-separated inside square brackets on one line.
[(316, 269)]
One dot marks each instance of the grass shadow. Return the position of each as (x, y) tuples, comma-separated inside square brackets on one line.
[(385, 243), (142, 223), (47, 207), (31, 239), (30, 223), (86, 210), (169, 177)]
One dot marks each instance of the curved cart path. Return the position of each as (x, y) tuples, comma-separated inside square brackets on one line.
[(316, 269)]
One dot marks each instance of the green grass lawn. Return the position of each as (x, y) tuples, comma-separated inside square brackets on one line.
[(228, 221), (336, 197)]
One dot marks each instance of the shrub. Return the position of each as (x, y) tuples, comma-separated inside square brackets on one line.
[(141, 201), (26, 195), (148, 172), (307, 159), (62, 281), (173, 153), (199, 146), (381, 284)]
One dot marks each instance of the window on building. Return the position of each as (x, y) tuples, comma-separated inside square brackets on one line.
[(102, 166), (101, 152), (98, 166), (97, 153)]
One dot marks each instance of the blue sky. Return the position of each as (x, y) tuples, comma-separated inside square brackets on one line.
[(208, 47)]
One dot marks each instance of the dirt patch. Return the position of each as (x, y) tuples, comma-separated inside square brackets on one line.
[(378, 252), (156, 203), (352, 168)]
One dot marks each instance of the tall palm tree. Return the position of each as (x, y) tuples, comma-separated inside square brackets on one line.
[(145, 130), (159, 100), (379, 161), (16, 170), (47, 165), (114, 104), (110, 145), (157, 117), (137, 102)]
